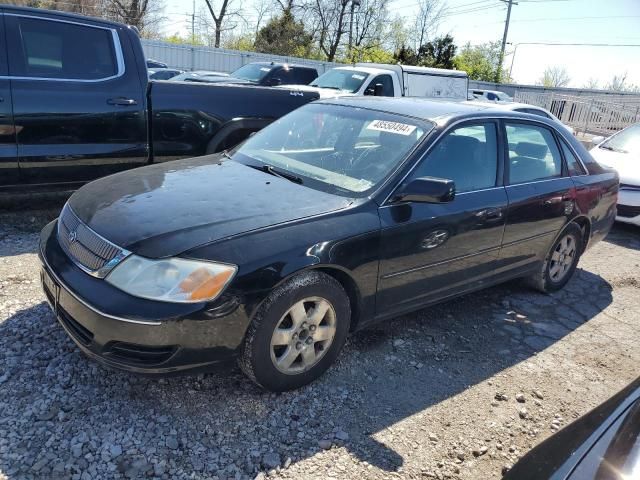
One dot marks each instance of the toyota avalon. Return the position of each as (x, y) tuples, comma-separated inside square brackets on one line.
[(343, 213)]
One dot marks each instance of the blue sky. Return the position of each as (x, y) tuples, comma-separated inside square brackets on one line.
[(548, 21)]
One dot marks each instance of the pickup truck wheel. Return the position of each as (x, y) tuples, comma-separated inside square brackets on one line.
[(561, 261), (297, 333)]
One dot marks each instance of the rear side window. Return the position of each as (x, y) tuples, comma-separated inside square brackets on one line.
[(52, 49), (304, 76), (574, 166), (533, 153), (467, 155)]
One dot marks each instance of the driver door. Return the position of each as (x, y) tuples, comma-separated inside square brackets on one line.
[(431, 251)]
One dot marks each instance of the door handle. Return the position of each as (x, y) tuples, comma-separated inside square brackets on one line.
[(121, 101), (490, 214)]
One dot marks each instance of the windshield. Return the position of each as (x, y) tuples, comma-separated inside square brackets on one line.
[(346, 80), (252, 72), (627, 141), (343, 150)]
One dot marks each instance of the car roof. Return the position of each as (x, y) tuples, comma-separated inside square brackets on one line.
[(438, 111), (280, 64), (57, 13)]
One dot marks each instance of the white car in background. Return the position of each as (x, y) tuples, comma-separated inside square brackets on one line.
[(622, 152), (533, 110), (490, 95)]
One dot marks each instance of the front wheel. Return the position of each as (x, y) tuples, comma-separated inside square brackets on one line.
[(561, 261), (297, 333)]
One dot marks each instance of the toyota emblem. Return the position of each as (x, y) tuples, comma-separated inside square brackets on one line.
[(73, 236)]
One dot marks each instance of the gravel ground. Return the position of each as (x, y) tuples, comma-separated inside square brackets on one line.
[(461, 390)]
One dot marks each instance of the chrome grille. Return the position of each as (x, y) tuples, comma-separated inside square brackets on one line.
[(87, 249)]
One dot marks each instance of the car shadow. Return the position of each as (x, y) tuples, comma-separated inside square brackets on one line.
[(624, 235), (224, 425)]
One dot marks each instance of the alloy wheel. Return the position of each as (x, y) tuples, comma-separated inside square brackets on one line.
[(303, 335), (562, 258)]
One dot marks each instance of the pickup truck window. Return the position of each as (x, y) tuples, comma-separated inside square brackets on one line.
[(386, 82), (252, 72), (346, 80), (62, 50)]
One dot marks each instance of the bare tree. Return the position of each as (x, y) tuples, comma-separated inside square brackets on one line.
[(330, 18), (592, 84), (221, 17), (369, 22), (555, 77), (142, 14), (619, 84), (429, 15)]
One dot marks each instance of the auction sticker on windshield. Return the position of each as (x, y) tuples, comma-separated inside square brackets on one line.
[(392, 127)]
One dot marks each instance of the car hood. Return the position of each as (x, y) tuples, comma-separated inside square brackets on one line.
[(323, 92), (626, 164), (166, 209)]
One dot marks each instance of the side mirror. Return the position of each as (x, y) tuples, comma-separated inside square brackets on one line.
[(274, 82), (378, 90), (426, 190), (597, 140)]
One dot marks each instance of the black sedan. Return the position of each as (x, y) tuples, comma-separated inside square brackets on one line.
[(340, 214), (602, 445)]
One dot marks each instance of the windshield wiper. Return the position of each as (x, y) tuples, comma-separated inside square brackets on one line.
[(327, 86), (271, 170), (225, 154), (613, 149)]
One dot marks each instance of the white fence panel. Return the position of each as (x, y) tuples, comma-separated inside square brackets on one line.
[(187, 57), (594, 115)]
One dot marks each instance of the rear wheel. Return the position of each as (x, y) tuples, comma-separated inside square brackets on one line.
[(297, 333), (561, 261)]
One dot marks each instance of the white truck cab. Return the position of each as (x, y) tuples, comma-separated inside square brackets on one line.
[(389, 81)]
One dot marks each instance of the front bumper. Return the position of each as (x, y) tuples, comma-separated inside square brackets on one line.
[(134, 334), (629, 205)]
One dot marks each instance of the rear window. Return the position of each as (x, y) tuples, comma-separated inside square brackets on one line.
[(53, 49)]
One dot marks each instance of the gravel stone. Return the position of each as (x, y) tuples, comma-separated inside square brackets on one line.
[(65, 417)]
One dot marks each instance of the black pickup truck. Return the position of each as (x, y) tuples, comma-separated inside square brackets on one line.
[(76, 104)]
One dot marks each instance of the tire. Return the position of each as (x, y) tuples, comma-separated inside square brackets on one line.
[(297, 332), (556, 272)]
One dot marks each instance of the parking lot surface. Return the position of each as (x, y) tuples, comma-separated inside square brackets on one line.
[(460, 390)]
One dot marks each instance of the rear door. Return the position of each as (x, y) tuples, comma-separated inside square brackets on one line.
[(9, 174), (541, 193), (431, 251), (79, 105)]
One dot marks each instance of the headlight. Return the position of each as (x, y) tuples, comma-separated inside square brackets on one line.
[(171, 280)]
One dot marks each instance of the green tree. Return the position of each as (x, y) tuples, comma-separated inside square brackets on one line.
[(438, 53), (481, 61), (373, 54), (178, 40), (405, 56), (284, 35), (243, 42)]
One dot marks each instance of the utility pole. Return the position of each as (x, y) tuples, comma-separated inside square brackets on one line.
[(504, 39), (193, 23), (354, 4)]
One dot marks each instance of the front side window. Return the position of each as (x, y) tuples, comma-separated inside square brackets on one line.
[(51, 49), (343, 150), (467, 155), (387, 85), (533, 153)]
